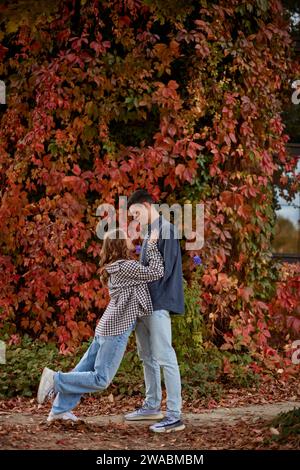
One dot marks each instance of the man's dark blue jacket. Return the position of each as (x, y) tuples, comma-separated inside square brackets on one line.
[(166, 293)]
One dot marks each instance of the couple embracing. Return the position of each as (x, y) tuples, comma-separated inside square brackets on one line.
[(143, 294)]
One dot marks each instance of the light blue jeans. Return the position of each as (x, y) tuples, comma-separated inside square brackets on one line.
[(93, 373), (154, 344)]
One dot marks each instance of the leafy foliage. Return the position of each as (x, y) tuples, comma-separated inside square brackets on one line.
[(184, 99), (288, 425), (25, 362), (200, 378), (284, 308)]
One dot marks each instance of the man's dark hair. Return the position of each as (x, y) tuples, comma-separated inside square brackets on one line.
[(139, 196)]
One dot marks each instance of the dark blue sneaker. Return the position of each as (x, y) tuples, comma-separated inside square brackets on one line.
[(144, 413), (168, 424)]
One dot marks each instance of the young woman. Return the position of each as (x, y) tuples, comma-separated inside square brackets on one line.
[(129, 299)]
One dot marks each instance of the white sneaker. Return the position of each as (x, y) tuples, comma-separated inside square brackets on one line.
[(46, 387), (67, 416)]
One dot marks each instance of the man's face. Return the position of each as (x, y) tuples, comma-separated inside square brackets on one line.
[(140, 212)]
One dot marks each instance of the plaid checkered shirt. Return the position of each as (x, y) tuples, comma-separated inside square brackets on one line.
[(128, 291)]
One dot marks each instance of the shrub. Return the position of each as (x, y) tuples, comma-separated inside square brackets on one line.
[(288, 425), (202, 377), (25, 362)]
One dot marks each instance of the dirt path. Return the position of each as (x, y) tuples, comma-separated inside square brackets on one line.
[(246, 427), (207, 418)]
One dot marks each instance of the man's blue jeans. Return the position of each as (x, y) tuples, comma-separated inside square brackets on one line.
[(93, 373), (154, 344)]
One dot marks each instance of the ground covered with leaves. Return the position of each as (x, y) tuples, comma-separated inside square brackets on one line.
[(245, 433), (269, 391)]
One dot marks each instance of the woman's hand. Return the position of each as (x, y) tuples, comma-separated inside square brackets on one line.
[(154, 235)]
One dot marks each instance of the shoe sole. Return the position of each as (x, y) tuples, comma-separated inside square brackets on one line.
[(52, 420), (179, 428), (40, 398), (146, 418)]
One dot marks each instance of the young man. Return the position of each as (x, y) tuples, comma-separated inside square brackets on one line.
[(153, 333)]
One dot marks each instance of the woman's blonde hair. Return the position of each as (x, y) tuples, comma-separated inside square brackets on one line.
[(114, 248)]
